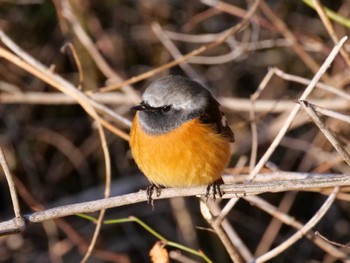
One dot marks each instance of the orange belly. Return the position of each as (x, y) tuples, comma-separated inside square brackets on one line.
[(190, 155)]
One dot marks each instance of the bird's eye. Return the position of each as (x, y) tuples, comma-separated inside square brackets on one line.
[(166, 108)]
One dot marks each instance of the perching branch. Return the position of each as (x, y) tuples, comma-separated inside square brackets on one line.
[(305, 182)]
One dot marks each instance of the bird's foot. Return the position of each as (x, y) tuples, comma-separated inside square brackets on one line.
[(214, 190), (150, 190)]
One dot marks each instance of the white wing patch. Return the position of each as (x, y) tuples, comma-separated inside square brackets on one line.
[(223, 120)]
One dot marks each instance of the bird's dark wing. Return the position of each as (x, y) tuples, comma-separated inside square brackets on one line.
[(214, 115)]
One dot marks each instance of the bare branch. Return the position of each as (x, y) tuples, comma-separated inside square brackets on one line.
[(33, 66), (296, 108), (195, 52), (208, 213), (330, 29), (93, 51), (307, 181), (36, 68), (115, 98), (329, 113), (11, 184), (318, 121), (175, 53), (14, 225), (291, 221), (306, 81), (301, 232), (288, 34)]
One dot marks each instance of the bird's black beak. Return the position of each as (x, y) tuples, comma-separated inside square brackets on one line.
[(142, 107)]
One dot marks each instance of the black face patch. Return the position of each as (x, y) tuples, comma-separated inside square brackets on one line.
[(159, 121)]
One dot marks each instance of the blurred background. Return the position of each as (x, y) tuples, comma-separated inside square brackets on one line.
[(54, 151)]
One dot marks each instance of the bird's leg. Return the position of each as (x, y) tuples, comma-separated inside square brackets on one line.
[(214, 189), (150, 189)]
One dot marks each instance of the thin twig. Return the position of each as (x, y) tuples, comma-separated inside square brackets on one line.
[(329, 135), (330, 29), (224, 223), (330, 113), (93, 241), (288, 34), (275, 176), (236, 11), (237, 28), (175, 53), (237, 50), (330, 241), (273, 106), (18, 222), (306, 81), (77, 62), (115, 98), (291, 221), (208, 215), (58, 82), (273, 228), (33, 66), (301, 232), (41, 71), (198, 18), (58, 98), (297, 107), (93, 51), (11, 184), (253, 99), (67, 229), (227, 208), (335, 16)]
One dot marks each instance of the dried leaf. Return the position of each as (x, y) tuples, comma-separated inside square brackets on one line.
[(159, 254)]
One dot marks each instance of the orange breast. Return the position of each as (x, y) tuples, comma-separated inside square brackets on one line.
[(190, 155)]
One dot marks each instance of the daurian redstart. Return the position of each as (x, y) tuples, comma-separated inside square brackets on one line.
[(179, 136)]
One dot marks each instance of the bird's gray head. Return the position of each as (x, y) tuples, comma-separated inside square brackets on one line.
[(171, 101)]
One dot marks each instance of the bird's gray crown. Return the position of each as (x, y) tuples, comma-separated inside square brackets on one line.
[(181, 93)]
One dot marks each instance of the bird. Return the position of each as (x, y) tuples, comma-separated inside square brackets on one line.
[(179, 136)]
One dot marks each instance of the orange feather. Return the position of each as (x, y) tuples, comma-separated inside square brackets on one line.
[(190, 155)]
